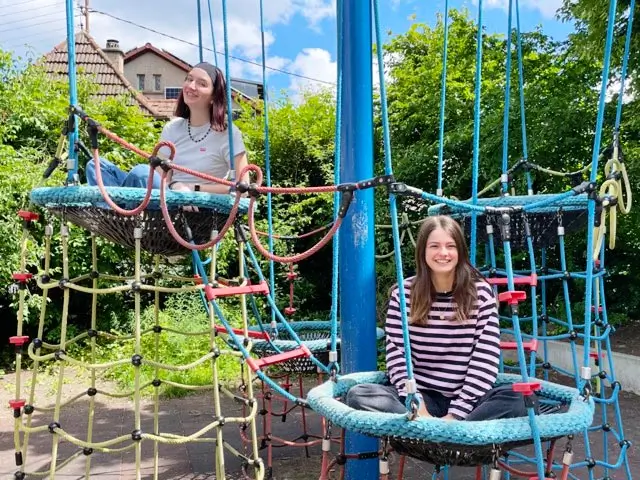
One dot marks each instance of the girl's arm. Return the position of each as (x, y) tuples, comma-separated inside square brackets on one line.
[(484, 361)]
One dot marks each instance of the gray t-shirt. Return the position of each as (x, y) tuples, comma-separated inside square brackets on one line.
[(210, 156)]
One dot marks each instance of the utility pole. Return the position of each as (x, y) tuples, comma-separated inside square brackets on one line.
[(85, 11)]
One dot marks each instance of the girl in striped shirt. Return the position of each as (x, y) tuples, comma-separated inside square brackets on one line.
[(454, 336)]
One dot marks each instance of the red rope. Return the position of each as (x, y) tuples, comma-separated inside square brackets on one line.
[(147, 195)]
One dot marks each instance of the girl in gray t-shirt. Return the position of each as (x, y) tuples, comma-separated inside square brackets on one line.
[(200, 134)]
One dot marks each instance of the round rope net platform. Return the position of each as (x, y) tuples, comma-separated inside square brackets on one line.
[(315, 335), (443, 442), (542, 221), (85, 207)]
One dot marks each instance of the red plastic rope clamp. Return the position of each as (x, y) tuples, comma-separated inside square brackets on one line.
[(528, 280), (19, 341), (526, 388), (197, 280), (292, 275), (22, 277), (290, 310), (593, 309), (28, 216), (17, 404), (512, 297), (595, 355)]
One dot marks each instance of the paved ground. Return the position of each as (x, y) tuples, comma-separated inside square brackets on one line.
[(196, 461)]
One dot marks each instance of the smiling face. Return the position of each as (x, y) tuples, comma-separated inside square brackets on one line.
[(441, 253), (197, 89)]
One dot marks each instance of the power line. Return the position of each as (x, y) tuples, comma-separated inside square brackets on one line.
[(244, 60), (30, 10), (30, 25)]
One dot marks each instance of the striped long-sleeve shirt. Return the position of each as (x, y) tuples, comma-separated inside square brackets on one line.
[(458, 359)]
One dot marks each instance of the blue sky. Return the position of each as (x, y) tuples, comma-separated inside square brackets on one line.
[(300, 34)]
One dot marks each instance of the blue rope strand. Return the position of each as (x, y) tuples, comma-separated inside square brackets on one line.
[(443, 95), (476, 138), (267, 156), (336, 197), (200, 50), (393, 207), (213, 35), (73, 90), (625, 61), (229, 98), (507, 105)]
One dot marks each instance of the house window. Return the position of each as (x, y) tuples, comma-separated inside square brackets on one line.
[(157, 82), (172, 92), (141, 82)]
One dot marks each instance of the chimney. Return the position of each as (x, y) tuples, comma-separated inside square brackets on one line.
[(116, 55)]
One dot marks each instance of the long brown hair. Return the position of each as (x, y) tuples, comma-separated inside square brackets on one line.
[(423, 292), (218, 111)]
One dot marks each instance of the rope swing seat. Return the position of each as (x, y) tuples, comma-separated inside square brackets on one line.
[(454, 443), (85, 207), (315, 335)]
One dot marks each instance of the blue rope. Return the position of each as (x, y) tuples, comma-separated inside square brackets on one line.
[(73, 90), (523, 121), (625, 61), (213, 35), (229, 98), (507, 105), (200, 50), (337, 155), (476, 138), (594, 172), (443, 95), (393, 207), (267, 156)]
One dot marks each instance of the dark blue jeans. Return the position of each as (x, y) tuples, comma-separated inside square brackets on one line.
[(112, 176), (499, 402)]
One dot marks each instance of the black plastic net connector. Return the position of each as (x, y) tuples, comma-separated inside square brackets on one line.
[(86, 451), (156, 382), (91, 333), (19, 475), (347, 187), (591, 462), (242, 187), (221, 421), (136, 286), (253, 190), (378, 181), (136, 360), (616, 384), (585, 187), (92, 392), (345, 202), (216, 352), (625, 443), (18, 459), (53, 426), (136, 435), (29, 409), (157, 275), (341, 459), (163, 163), (606, 427), (63, 283), (94, 274), (546, 366), (59, 354), (45, 279), (602, 374), (157, 329), (573, 335), (245, 342), (37, 343)]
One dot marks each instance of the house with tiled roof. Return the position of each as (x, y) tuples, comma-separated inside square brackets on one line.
[(159, 75), (93, 61)]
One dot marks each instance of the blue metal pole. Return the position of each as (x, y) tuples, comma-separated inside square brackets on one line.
[(357, 258), (73, 92)]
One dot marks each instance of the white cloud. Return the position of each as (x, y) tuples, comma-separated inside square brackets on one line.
[(312, 63)]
